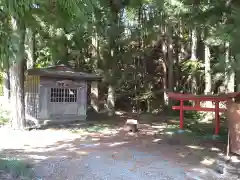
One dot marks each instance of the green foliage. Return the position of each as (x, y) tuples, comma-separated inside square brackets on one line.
[(193, 66), (4, 113), (124, 44)]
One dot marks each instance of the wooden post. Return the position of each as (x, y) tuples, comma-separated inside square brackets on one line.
[(94, 96), (181, 114), (217, 118)]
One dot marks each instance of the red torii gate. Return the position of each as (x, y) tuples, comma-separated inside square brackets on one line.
[(216, 99)]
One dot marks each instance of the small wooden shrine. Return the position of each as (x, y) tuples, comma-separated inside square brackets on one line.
[(56, 94)]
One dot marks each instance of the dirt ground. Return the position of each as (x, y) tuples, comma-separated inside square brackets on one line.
[(104, 150)]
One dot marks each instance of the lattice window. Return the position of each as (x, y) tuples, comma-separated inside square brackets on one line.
[(63, 95)]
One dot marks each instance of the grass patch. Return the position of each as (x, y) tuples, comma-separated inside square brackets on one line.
[(200, 130), (16, 168), (95, 128), (194, 126)]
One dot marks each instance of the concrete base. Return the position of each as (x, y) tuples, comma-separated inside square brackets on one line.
[(53, 121)]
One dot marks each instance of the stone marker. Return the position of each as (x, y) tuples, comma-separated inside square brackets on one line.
[(131, 125)]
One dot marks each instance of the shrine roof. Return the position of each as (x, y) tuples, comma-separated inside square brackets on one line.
[(63, 71)]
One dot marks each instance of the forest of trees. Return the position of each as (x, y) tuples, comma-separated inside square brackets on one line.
[(141, 48)]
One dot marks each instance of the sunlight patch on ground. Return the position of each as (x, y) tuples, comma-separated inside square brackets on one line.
[(117, 143), (72, 149), (221, 154), (235, 159), (169, 133), (82, 153), (150, 132), (208, 161), (195, 147), (48, 149), (90, 145), (132, 121), (195, 174), (119, 113), (215, 149), (201, 170), (156, 140), (38, 157), (161, 127), (183, 154), (205, 174), (33, 139)]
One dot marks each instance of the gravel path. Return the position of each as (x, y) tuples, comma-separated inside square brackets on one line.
[(103, 166), (61, 155)]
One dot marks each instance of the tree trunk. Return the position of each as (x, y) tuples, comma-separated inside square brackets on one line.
[(208, 80), (6, 83), (17, 76), (170, 59), (179, 56), (111, 100), (30, 48), (194, 44), (94, 96), (181, 50), (164, 66), (94, 85), (165, 83), (112, 63), (206, 55), (194, 58), (229, 74)]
